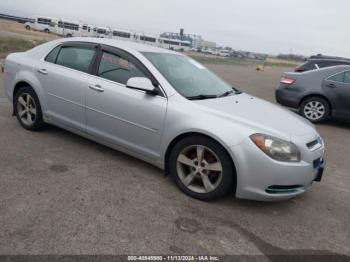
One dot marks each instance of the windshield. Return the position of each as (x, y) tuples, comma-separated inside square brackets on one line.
[(188, 77)]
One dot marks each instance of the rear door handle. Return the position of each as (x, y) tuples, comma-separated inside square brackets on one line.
[(331, 85), (43, 71), (96, 88)]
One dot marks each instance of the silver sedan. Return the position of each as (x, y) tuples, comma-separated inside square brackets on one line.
[(169, 110)]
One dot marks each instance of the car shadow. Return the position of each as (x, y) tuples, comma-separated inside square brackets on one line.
[(272, 252), (332, 122), (336, 123), (101, 149)]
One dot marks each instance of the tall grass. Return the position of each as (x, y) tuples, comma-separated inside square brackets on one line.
[(10, 45)]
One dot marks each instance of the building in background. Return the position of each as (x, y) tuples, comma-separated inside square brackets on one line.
[(208, 45), (195, 41)]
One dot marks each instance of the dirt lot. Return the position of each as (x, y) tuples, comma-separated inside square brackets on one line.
[(62, 194)]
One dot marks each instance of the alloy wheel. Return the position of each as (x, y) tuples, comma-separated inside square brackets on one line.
[(314, 110), (199, 169), (26, 109)]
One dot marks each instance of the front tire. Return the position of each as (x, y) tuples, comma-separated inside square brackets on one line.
[(28, 110), (201, 168), (315, 109), (27, 27)]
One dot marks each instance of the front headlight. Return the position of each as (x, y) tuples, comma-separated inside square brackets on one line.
[(276, 148)]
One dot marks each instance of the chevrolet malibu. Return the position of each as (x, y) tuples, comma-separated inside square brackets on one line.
[(167, 109)]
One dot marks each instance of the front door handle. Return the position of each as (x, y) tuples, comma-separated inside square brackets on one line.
[(96, 88), (331, 85), (43, 71)]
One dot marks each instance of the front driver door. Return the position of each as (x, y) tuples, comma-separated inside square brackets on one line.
[(337, 87), (120, 115)]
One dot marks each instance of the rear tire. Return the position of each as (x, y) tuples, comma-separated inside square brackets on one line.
[(28, 110), (201, 168), (27, 27), (315, 109), (47, 31)]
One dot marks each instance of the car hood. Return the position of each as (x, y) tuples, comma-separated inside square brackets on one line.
[(258, 114)]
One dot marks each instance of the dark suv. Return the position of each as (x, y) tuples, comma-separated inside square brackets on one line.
[(319, 61)]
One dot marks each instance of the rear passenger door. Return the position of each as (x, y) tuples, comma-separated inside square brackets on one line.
[(64, 76), (119, 115), (337, 88)]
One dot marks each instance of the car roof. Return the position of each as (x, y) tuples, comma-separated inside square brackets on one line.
[(127, 45), (328, 57), (332, 69), (328, 60), (321, 73)]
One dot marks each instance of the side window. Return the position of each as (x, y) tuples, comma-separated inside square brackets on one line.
[(51, 57), (338, 77), (117, 69), (330, 63), (322, 64), (78, 58), (347, 77)]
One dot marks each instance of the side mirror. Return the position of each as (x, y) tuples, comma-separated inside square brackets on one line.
[(143, 84)]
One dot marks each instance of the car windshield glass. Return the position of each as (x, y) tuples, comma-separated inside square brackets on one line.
[(188, 77)]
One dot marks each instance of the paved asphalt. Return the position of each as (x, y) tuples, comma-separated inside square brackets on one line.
[(63, 194)]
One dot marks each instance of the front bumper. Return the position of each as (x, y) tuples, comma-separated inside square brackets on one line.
[(261, 178)]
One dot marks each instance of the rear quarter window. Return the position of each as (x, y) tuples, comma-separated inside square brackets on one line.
[(309, 66), (51, 57)]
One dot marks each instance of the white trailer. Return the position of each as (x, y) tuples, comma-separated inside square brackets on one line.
[(122, 34), (225, 53), (174, 44), (42, 23), (102, 32), (146, 39), (68, 28), (87, 30)]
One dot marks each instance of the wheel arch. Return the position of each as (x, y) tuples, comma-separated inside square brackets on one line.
[(193, 133), (28, 78), (17, 87), (331, 107)]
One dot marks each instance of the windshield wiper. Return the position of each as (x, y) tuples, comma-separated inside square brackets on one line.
[(234, 90), (237, 91), (226, 93), (201, 97)]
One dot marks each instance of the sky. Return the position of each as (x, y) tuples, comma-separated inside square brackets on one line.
[(270, 26)]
